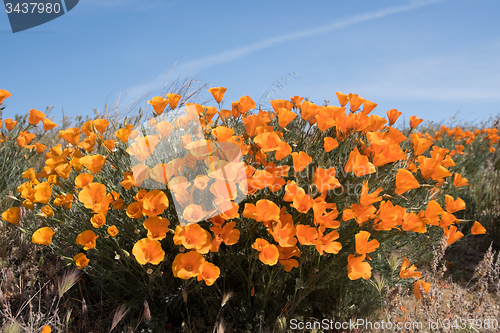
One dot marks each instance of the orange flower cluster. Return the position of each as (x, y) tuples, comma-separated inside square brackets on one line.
[(269, 157)]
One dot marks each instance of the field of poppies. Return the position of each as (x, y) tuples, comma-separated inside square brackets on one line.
[(196, 218)]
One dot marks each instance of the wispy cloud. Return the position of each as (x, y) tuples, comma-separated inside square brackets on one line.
[(469, 76), (239, 52), (236, 53)]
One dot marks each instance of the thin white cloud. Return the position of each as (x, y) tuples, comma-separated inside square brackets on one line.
[(232, 54), (451, 77), (239, 52)]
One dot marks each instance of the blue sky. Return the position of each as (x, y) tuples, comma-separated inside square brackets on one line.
[(425, 58)]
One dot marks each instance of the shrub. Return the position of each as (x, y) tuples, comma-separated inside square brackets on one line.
[(281, 209)]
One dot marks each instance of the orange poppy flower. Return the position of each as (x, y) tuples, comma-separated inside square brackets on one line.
[(433, 210), (359, 164), (217, 93), (309, 110), (452, 234), (159, 103), (414, 121), (140, 173), (447, 219), (87, 239), (164, 128), (285, 117), (368, 199), (208, 273), (187, 265), (98, 220), (12, 215), (364, 246), (154, 203), (453, 205), (43, 236), (194, 213), (356, 102), (10, 124), (123, 134), (405, 181), (143, 147), (24, 139), (281, 103), (343, 98), (71, 135), (157, 227), (83, 180), (223, 133), (101, 124), (300, 161), (267, 142), (419, 284), (64, 200), (81, 260), (48, 124), (134, 210), (263, 211), (47, 211), (326, 243), (393, 115), (330, 144), (269, 254), (113, 231), (406, 271), (420, 145), (93, 196), (259, 244), (227, 234), (459, 181), (173, 100), (192, 236), (43, 192), (3, 95), (477, 229), (39, 147), (306, 234), (368, 106), (303, 203), (356, 268), (128, 180), (148, 251), (35, 117), (93, 162), (283, 151)]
